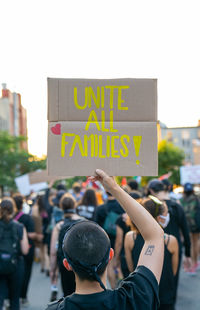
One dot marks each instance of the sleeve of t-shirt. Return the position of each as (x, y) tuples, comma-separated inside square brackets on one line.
[(20, 229), (30, 225), (140, 289), (100, 215), (184, 228)]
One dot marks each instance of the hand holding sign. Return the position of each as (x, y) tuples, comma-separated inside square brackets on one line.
[(108, 182)]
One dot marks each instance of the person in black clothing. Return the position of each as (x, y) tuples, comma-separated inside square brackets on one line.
[(113, 208), (122, 228), (87, 205), (177, 223), (10, 281), (28, 223), (133, 246), (67, 204), (87, 251)]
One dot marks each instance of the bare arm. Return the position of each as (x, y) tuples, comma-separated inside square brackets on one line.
[(53, 252), (128, 246), (118, 244), (174, 249), (153, 235), (24, 242), (32, 235)]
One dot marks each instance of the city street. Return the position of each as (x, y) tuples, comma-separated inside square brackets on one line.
[(188, 294)]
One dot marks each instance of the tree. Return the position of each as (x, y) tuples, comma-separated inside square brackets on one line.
[(170, 158), (15, 161)]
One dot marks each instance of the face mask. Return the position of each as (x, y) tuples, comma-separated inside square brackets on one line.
[(166, 222)]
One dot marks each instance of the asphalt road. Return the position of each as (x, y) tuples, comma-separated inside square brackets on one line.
[(39, 291)]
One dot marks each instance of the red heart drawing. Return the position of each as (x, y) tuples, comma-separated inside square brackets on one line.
[(56, 130)]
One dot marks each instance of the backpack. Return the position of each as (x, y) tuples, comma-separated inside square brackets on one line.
[(67, 223), (191, 207), (9, 247), (110, 223)]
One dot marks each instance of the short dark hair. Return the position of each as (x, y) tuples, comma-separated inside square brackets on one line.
[(88, 243), (19, 201), (133, 184)]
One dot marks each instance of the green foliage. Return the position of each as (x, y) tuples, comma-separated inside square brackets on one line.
[(170, 158), (15, 161)]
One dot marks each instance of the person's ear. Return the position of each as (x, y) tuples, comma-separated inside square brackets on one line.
[(111, 255), (67, 265), (158, 219)]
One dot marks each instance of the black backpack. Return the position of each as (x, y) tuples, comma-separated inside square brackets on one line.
[(67, 223), (9, 247)]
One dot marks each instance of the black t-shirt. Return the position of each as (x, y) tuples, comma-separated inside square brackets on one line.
[(28, 223), (139, 291), (102, 212), (178, 223), (122, 224)]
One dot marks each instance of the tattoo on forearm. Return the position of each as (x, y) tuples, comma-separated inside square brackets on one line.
[(149, 250)]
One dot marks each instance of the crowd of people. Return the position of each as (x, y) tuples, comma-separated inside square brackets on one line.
[(35, 227)]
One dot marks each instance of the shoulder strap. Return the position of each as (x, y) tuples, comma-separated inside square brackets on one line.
[(168, 239), (17, 217), (55, 305)]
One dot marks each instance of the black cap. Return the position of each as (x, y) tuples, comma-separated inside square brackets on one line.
[(58, 197), (188, 187), (156, 185)]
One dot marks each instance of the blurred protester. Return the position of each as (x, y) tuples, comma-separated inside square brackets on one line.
[(13, 243), (67, 204), (176, 222), (28, 223), (134, 243), (122, 227), (106, 216), (39, 212), (76, 191), (168, 187), (191, 206), (87, 206), (133, 184), (57, 214)]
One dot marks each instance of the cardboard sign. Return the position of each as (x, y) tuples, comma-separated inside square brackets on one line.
[(42, 176), (107, 124), (24, 186), (190, 174)]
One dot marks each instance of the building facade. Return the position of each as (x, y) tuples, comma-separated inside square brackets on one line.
[(13, 117), (186, 138)]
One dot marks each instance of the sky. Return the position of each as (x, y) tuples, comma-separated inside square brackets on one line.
[(101, 39)]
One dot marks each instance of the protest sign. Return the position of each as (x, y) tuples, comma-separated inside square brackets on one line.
[(25, 187), (190, 174), (107, 124), (34, 181), (42, 176)]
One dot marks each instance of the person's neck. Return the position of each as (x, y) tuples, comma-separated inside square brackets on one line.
[(111, 198), (163, 195), (85, 287)]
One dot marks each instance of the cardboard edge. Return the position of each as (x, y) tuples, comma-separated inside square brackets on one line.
[(52, 115)]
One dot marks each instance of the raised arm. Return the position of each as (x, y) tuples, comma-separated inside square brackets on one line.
[(153, 250)]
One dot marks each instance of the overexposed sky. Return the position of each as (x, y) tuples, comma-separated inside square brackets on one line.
[(101, 39)]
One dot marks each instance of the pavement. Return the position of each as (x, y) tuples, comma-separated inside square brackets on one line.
[(39, 291)]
